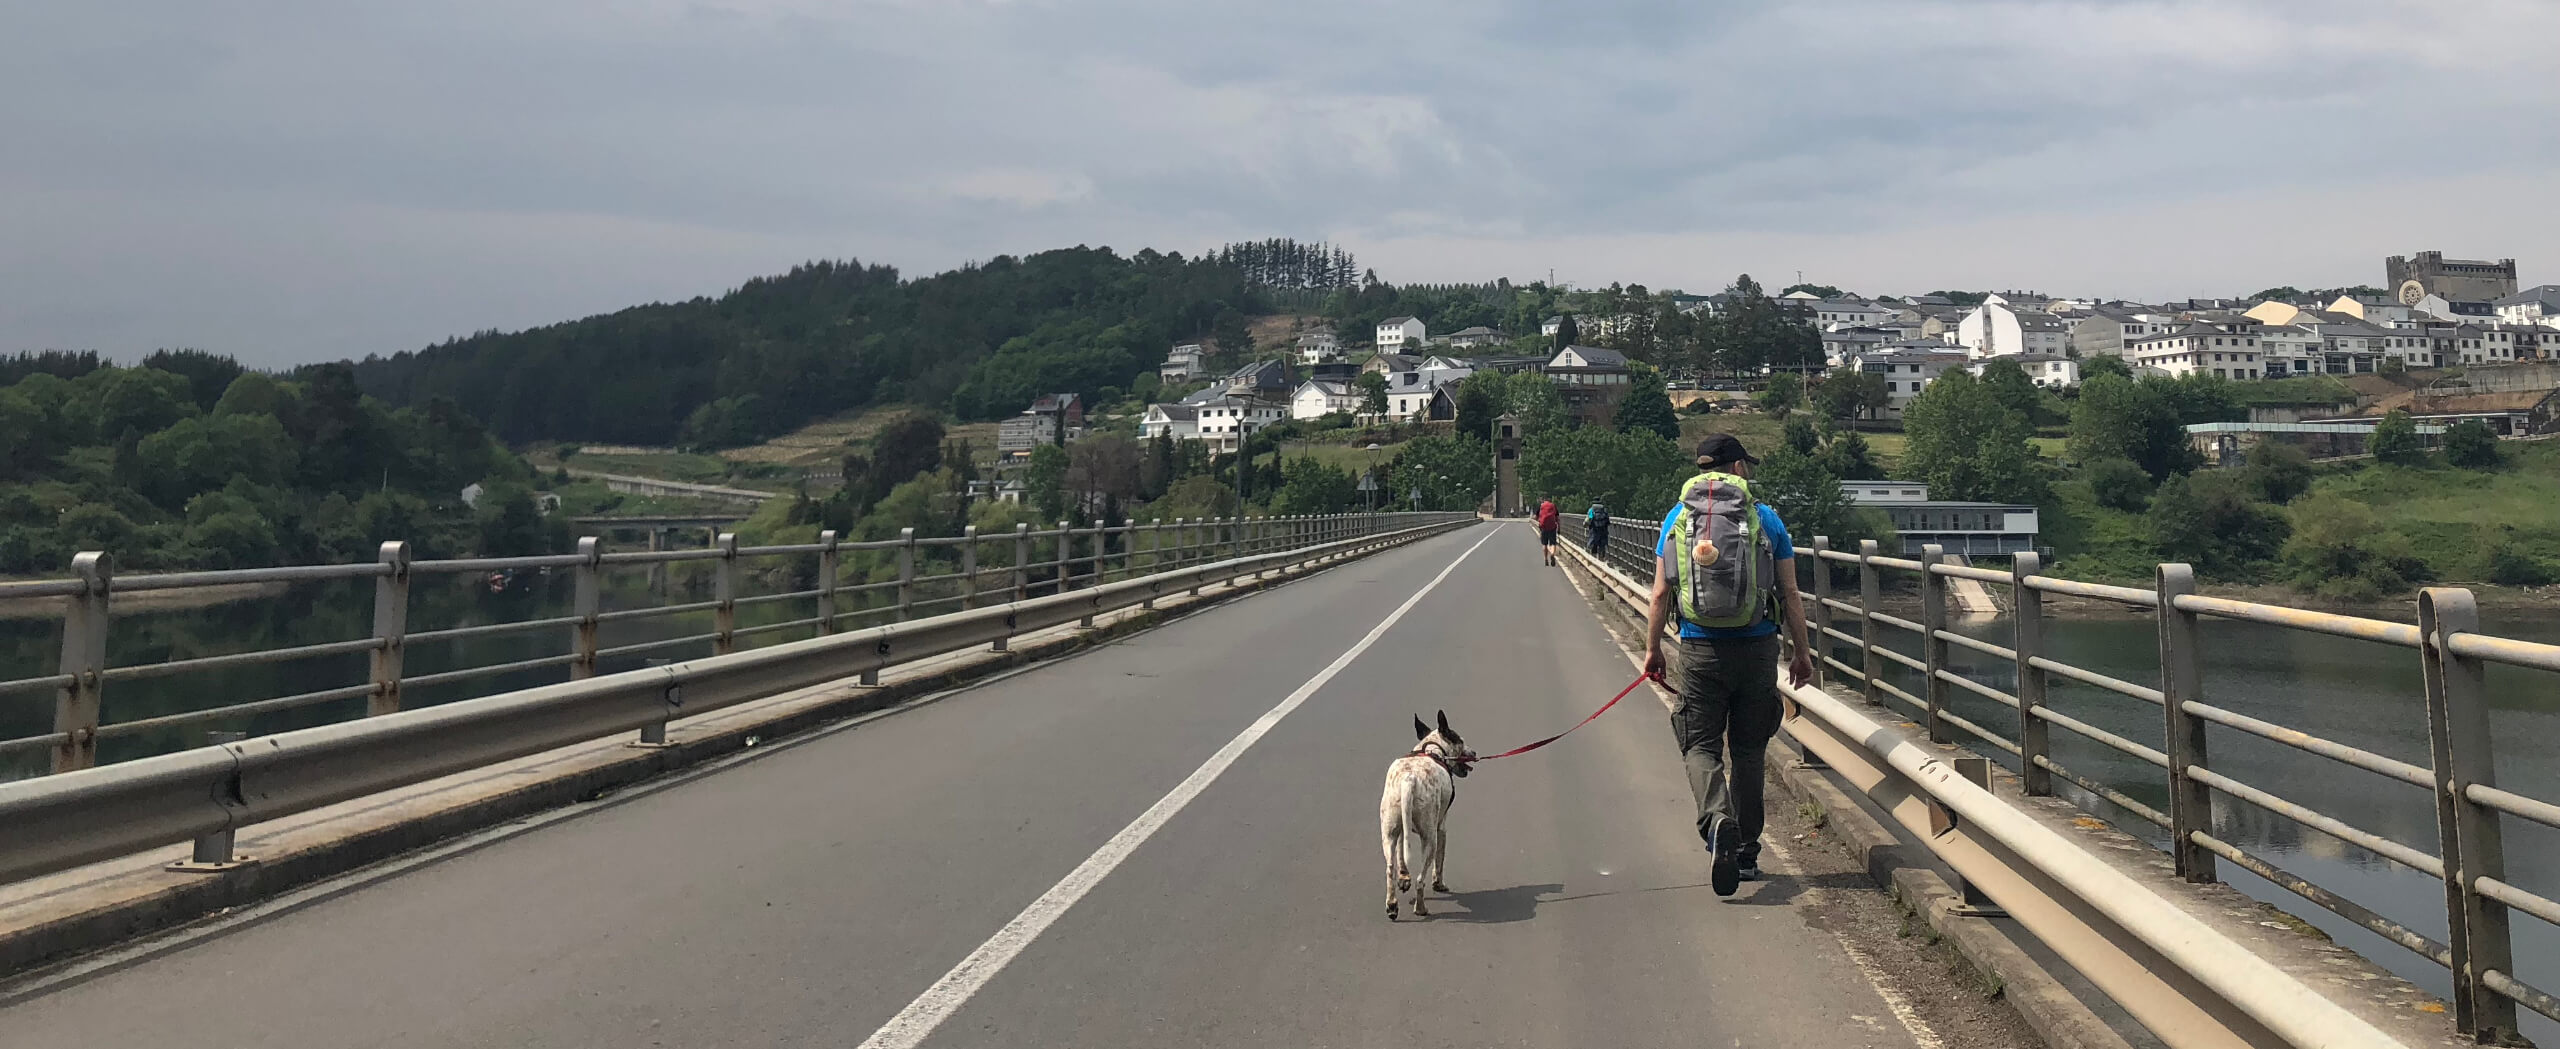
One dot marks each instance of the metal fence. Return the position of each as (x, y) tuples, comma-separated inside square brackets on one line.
[(897, 580), (2469, 858), (205, 794)]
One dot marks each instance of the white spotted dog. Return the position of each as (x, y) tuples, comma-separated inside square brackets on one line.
[(1420, 787)]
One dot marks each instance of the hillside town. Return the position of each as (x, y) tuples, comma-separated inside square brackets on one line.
[(2434, 313)]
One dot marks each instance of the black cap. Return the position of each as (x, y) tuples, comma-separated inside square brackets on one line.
[(1723, 448)]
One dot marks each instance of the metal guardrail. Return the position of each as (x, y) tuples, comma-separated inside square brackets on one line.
[(932, 574), (62, 821), (2452, 653), (2182, 979)]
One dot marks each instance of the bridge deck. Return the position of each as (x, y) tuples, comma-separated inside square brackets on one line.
[(808, 896)]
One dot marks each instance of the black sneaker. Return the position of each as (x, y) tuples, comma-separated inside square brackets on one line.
[(1726, 875), (1747, 865)]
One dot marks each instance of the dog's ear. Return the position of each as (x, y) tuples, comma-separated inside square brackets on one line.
[(1420, 730), (1445, 731)]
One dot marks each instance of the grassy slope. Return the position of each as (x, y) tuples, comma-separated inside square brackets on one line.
[(2451, 517)]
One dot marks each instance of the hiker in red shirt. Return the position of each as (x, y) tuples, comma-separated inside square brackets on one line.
[(1547, 530)]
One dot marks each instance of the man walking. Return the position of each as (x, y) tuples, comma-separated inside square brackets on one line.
[(1721, 557), (1596, 521), (1547, 524)]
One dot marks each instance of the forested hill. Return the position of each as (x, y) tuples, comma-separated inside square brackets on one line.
[(826, 337)]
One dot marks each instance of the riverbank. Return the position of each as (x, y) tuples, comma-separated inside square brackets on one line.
[(145, 600)]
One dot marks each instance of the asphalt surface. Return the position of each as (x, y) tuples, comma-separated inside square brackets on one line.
[(808, 896)]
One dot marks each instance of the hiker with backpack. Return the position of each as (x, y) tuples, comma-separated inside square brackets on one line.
[(1726, 569), (1596, 521), (1547, 523)]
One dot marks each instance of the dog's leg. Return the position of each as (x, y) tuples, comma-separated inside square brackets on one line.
[(1440, 853), (1428, 829), (1391, 842)]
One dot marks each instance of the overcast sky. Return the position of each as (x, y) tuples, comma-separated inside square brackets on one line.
[(299, 181)]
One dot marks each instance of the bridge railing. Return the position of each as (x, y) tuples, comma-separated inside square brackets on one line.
[(206, 794), (2445, 641), (812, 590)]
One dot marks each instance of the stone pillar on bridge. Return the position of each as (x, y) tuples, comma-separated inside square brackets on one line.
[(1506, 466)]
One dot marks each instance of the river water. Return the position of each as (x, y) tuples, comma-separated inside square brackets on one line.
[(2358, 693)]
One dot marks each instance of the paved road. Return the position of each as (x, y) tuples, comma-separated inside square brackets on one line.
[(807, 897)]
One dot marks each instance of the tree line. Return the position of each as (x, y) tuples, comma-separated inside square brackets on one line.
[(190, 461), (1283, 263), (979, 342)]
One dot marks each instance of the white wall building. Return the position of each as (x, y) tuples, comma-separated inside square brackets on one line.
[(2043, 369), (2201, 349), (1993, 329), (1317, 347), (1317, 398), (1398, 334), (1847, 313), (1907, 368), (2538, 305)]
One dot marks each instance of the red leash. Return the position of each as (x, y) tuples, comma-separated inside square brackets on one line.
[(1595, 715)]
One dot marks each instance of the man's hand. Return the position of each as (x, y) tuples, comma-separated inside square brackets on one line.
[(1800, 669), (1653, 664)]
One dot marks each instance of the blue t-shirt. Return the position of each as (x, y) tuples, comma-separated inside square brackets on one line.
[(1780, 548)]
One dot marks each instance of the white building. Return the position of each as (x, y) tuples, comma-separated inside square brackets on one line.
[(1225, 419), (2536, 306), (1873, 493), (1551, 326), (1183, 364), (1317, 398), (1181, 421), (1993, 329), (1908, 368), (1470, 338), (2201, 349), (1397, 334), (1317, 347), (1847, 313), (1409, 390), (2044, 369)]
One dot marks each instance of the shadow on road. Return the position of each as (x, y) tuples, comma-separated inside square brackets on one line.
[(1494, 906), (1778, 890)]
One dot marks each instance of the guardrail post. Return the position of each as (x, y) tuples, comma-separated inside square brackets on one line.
[(588, 601), (724, 584), (2027, 638), (1190, 547), (1087, 621), (2458, 738), (1933, 652), (654, 734), (1066, 553), (84, 658), (1021, 563), (390, 628), (906, 573), (968, 566), (213, 852), (1870, 594), (830, 570), (2181, 679), (1821, 606)]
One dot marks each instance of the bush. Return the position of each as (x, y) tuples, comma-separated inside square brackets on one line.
[(2340, 550), (2279, 472), (2215, 523), (2120, 484), (2469, 445), (2511, 565), (2395, 440)]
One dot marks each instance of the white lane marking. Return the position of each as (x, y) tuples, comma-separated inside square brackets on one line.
[(914, 1023)]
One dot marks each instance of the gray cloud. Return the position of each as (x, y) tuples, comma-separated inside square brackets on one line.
[(294, 181)]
